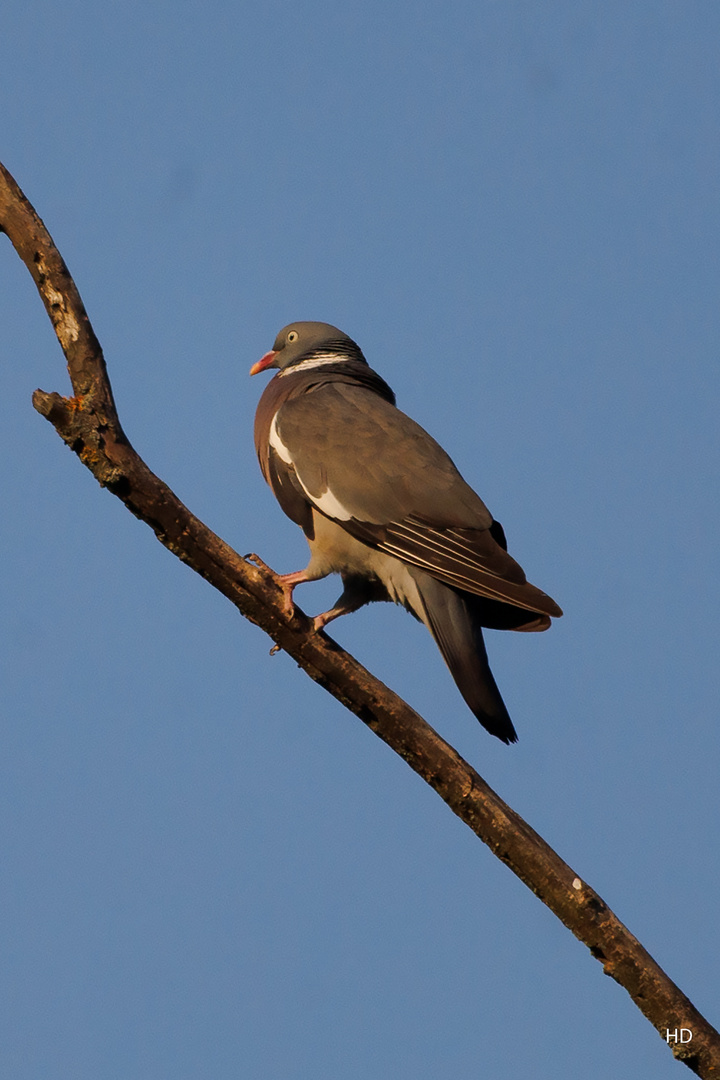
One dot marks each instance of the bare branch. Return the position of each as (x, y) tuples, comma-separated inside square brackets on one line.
[(89, 424)]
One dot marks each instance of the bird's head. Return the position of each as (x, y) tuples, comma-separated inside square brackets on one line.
[(308, 344)]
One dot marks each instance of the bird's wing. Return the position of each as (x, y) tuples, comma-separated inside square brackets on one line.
[(370, 468)]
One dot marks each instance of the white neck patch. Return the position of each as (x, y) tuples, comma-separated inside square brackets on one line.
[(316, 361)]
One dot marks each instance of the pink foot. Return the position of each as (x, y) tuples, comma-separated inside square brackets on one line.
[(326, 617), (287, 583), (257, 561)]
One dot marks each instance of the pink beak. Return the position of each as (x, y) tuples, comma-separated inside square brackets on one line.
[(265, 361)]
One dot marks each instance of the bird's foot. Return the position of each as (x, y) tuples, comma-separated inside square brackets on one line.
[(287, 583), (320, 621), (257, 561)]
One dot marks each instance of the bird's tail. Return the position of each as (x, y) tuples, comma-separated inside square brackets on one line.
[(453, 621)]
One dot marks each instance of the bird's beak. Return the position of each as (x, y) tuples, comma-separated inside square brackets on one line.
[(265, 361)]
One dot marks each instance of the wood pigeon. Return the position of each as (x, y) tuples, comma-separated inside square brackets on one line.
[(382, 504)]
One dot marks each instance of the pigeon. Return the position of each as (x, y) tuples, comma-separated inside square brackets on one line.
[(383, 505)]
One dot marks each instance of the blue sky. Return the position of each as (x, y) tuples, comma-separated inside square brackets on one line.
[(209, 867)]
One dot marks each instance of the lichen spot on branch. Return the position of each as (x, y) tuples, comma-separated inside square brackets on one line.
[(65, 323)]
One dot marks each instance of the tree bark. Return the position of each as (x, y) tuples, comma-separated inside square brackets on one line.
[(89, 424)]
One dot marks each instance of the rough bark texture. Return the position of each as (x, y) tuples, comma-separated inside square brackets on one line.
[(89, 424)]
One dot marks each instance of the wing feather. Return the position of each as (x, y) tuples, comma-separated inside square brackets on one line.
[(474, 562)]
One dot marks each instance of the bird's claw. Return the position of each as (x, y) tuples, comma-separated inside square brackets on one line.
[(288, 604), (286, 586), (257, 561), (287, 583)]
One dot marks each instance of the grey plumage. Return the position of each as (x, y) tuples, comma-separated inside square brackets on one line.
[(382, 504)]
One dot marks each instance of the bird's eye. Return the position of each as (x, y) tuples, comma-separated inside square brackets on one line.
[(293, 336)]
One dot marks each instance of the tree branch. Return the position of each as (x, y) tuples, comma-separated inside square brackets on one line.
[(89, 424)]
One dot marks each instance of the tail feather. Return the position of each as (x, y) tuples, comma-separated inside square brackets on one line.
[(454, 622)]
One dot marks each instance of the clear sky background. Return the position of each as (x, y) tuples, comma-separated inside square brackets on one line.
[(209, 868)]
